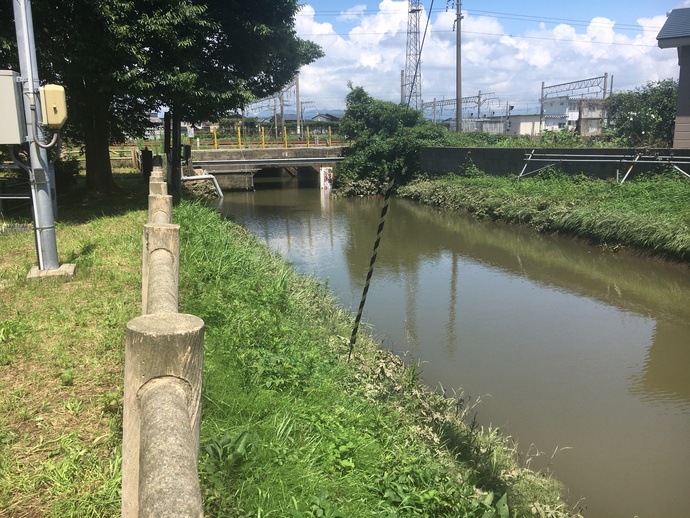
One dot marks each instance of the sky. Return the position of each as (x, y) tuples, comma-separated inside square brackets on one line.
[(508, 48)]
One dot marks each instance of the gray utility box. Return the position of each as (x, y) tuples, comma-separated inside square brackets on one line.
[(12, 126)]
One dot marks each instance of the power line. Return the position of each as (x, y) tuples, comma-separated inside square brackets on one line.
[(593, 42), (494, 14), (545, 19)]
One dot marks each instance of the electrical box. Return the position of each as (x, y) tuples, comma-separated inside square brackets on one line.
[(53, 106), (12, 125)]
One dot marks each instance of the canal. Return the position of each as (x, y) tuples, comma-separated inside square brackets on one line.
[(579, 354)]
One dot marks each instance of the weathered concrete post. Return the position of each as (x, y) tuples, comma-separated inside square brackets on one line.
[(160, 268), (169, 481), (163, 370), (163, 355), (157, 182), (160, 208)]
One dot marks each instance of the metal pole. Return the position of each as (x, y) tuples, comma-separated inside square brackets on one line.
[(606, 77), (458, 71), (402, 87), (541, 111), (39, 173), (298, 107)]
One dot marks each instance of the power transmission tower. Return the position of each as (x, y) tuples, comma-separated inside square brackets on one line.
[(413, 72)]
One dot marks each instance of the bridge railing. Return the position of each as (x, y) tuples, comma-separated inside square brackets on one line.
[(163, 370)]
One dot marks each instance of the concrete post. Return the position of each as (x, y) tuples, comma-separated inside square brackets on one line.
[(157, 182), (160, 271), (168, 478), (158, 346), (160, 208), (158, 187)]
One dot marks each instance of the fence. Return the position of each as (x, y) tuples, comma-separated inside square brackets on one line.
[(163, 366)]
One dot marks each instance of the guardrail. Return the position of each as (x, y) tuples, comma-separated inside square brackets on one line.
[(163, 370)]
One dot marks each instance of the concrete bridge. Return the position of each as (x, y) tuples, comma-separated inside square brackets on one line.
[(235, 168)]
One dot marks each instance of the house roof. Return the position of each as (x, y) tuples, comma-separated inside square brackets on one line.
[(327, 116), (676, 29)]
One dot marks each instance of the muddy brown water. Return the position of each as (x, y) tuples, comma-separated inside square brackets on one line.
[(581, 355)]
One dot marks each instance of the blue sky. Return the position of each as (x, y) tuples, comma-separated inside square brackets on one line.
[(508, 47)]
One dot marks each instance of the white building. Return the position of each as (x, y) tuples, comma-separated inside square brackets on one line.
[(584, 115)]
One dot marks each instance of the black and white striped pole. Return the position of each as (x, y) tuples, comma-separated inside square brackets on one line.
[(382, 222)]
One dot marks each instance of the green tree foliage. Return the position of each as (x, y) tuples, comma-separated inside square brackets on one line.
[(386, 140), (121, 59), (646, 115)]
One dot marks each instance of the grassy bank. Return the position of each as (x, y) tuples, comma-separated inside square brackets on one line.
[(289, 427), (649, 213), (61, 360)]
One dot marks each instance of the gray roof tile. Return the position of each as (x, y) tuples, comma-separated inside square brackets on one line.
[(677, 26)]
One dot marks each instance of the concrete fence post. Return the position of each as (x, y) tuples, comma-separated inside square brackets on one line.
[(157, 182), (167, 348), (160, 208), (157, 186), (168, 478), (160, 268), (163, 371)]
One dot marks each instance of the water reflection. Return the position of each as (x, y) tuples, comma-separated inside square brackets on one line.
[(578, 346)]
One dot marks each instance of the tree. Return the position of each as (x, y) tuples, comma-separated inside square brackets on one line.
[(646, 115), (119, 60), (386, 140)]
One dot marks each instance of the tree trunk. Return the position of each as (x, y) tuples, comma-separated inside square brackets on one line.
[(99, 173)]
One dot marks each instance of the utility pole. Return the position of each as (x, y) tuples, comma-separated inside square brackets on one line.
[(39, 168), (298, 108), (282, 112), (402, 87), (541, 110), (458, 68)]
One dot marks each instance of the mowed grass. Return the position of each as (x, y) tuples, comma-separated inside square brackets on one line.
[(648, 213), (61, 359), (289, 426)]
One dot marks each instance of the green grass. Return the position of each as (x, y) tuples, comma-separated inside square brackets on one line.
[(649, 213), (289, 426), (61, 360)]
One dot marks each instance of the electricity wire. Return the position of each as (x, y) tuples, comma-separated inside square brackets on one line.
[(493, 14)]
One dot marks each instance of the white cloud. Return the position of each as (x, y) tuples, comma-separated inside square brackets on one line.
[(372, 54), (353, 13)]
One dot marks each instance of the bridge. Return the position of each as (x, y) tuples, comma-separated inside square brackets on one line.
[(235, 168)]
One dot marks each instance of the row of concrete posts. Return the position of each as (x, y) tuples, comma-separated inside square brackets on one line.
[(163, 371)]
